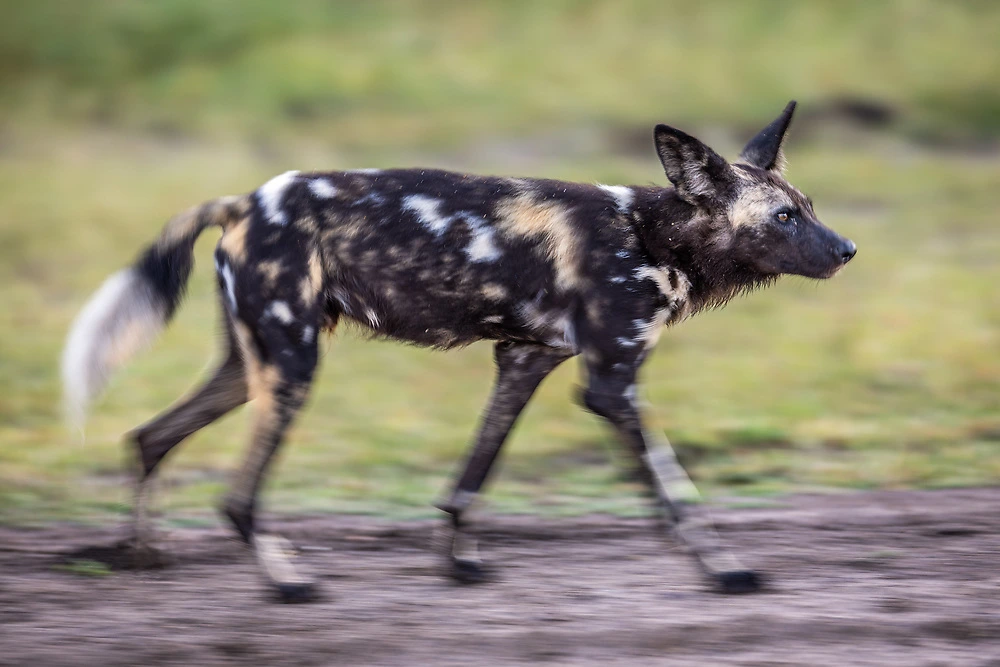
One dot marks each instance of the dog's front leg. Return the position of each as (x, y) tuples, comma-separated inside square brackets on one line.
[(521, 367), (612, 394)]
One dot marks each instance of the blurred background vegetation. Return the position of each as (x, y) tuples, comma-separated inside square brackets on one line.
[(116, 114)]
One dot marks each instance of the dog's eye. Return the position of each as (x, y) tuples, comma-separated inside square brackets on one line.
[(784, 216)]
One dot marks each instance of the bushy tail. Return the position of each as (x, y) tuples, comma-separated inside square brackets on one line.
[(132, 306)]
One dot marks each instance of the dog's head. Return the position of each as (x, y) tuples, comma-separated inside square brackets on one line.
[(758, 218)]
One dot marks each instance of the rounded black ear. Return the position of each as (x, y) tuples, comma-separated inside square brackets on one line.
[(699, 173), (765, 150)]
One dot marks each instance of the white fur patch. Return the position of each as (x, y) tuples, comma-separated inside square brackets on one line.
[(554, 326), (567, 336), (124, 316), (308, 335), (275, 556), (367, 172), (228, 284), (481, 248), (372, 318), (373, 198), (622, 195), (428, 213), (342, 300), (271, 197), (678, 297), (465, 548), (670, 476), (657, 275), (280, 311), (649, 332), (322, 188)]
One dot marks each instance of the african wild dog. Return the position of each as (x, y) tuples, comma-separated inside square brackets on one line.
[(546, 269)]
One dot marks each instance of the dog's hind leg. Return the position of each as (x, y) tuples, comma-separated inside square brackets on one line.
[(224, 391), (280, 367), (521, 367)]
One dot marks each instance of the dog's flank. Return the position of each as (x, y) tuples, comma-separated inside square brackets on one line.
[(546, 269)]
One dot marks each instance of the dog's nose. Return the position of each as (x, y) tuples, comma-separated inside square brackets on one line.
[(847, 250)]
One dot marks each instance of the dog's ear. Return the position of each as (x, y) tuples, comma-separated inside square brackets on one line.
[(765, 150), (699, 173)]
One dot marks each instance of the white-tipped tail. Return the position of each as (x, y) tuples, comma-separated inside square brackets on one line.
[(124, 316)]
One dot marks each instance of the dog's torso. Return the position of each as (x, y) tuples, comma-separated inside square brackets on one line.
[(443, 259)]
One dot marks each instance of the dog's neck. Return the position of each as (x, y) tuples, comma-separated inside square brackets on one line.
[(681, 236)]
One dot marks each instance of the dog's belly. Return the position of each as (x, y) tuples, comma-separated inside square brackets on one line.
[(440, 309)]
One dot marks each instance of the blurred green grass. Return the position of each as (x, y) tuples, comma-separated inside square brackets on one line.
[(114, 115), (431, 73)]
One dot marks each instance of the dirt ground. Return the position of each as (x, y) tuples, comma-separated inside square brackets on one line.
[(863, 579)]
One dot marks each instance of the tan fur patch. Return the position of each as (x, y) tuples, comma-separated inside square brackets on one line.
[(524, 216), (226, 211), (181, 227), (370, 258), (221, 211), (595, 313), (348, 227), (597, 309), (269, 271), (316, 270), (234, 240), (494, 292), (312, 283), (307, 224), (755, 204), (262, 381), (307, 293), (245, 343)]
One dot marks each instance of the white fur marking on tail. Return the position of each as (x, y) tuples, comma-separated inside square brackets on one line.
[(122, 317), (271, 196)]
